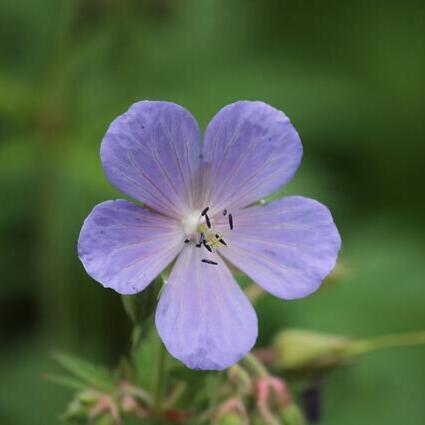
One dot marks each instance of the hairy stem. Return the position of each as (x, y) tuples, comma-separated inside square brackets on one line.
[(255, 366), (388, 341)]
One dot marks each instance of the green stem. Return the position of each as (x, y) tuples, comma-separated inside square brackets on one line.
[(253, 364), (175, 394), (241, 375), (136, 336), (159, 380), (388, 341)]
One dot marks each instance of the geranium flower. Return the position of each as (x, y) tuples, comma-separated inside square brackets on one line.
[(200, 206)]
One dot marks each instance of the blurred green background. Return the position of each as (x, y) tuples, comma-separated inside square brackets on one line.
[(351, 77)]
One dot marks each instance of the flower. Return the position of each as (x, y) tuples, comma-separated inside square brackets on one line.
[(200, 207)]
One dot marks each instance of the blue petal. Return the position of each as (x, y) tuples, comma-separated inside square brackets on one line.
[(251, 149), (288, 246), (124, 247), (203, 317), (151, 153)]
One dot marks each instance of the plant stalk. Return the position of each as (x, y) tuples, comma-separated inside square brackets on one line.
[(159, 380)]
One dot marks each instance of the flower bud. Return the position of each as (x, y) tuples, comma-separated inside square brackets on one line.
[(76, 410), (296, 350), (231, 412), (302, 349), (231, 418), (275, 404), (79, 407), (88, 397), (105, 420)]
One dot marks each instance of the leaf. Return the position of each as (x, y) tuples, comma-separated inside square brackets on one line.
[(66, 381), (94, 375), (143, 357)]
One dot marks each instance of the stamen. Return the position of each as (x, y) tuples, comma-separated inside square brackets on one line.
[(222, 241), (207, 247), (204, 211), (209, 262), (186, 241), (231, 221), (198, 245), (224, 212), (201, 238), (207, 219)]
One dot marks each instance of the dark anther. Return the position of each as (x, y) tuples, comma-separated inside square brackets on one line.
[(231, 221), (207, 219), (207, 247), (186, 241), (222, 241), (217, 236), (209, 262), (224, 212), (204, 211), (198, 245)]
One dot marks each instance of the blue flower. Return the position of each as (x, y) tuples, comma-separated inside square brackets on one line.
[(200, 207)]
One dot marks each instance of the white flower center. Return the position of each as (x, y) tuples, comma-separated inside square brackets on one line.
[(200, 231), (191, 222)]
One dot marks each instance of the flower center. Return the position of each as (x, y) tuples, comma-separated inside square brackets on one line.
[(190, 223), (199, 229)]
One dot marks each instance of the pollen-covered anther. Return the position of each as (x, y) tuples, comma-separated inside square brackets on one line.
[(213, 241)]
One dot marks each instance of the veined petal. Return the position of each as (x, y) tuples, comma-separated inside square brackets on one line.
[(124, 247), (288, 246), (203, 317), (152, 154), (251, 149)]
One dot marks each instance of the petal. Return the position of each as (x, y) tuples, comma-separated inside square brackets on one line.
[(203, 317), (288, 246), (251, 149), (152, 154), (124, 247)]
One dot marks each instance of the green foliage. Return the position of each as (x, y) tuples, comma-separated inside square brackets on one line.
[(142, 359), (66, 381), (90, 374)]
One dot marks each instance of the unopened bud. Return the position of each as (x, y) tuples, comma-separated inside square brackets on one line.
[(272, 397), (301, 349), (88, 397), (80, 407), (231, 418), (105, 420), (231, 412), (296, 350), (76, 410)]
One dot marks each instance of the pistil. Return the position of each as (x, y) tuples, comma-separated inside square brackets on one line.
[(199, 229)]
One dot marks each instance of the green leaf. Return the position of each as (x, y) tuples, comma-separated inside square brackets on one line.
[(142, 359), (94, 375), (66, 381)]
